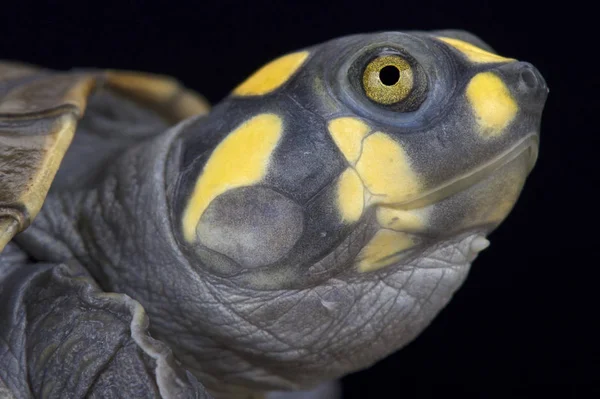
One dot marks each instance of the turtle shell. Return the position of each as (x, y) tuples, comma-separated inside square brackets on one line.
[(39, 112)]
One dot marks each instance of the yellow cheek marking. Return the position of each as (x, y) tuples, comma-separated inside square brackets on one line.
[(494, 203), (348, 133), (504, 207), (272, 75), (492, 103), (386, 171), (474, 53), (350, 196), (383, 250), (241, 159), (401, 220)]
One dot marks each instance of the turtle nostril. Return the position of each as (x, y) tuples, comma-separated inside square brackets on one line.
[(528, 77)]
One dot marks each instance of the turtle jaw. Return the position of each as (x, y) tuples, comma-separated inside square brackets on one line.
[(474, 203), (526, 148)]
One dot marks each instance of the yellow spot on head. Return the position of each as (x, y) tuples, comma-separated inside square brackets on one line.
[(241, 159), (492, 103), (350, 196), (474, 53), (272, 75), (348, 133), (386, 171), (382, 168), (383, 250)]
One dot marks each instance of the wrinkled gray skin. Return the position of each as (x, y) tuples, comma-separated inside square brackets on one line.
[(61, 336), (213, 327), (106, 227)]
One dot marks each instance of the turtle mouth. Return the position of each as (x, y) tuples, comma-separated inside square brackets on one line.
[(526, 147)]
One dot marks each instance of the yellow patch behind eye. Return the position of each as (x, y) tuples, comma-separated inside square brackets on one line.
[(350, 196), (492, 103), (386, 171), (348, 133), (383, 250), (272, 75), (241, 159), (474, 53)]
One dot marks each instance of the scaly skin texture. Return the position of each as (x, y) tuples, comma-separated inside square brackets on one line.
[(224, 333), (434, 176)]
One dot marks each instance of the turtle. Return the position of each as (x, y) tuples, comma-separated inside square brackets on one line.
[(311, 223)]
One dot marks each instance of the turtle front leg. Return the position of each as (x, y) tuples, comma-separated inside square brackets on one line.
[(61, 337), (327, 390)]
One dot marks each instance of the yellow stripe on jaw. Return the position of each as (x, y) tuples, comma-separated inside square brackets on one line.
[(492, 104), (272, 75), (401, 220), (389, 243), (241, 159), (474, 53), (383, 250)]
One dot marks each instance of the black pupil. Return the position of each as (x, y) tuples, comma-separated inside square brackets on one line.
[(389, 75)]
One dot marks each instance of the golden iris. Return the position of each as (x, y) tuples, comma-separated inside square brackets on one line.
[(388, 79)]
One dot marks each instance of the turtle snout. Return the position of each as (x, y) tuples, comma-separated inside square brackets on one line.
[(531, 77), (527, 83)]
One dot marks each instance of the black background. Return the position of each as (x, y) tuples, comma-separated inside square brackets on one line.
[(524, 323)]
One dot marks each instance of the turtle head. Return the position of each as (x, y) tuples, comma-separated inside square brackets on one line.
[(407, 138), (337, 197)]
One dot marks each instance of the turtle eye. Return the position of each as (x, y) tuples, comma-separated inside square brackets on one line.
[(388, 79)]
